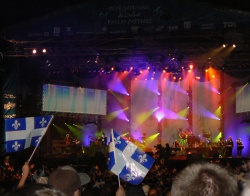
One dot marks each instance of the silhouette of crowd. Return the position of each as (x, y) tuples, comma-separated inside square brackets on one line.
[(212, 178)]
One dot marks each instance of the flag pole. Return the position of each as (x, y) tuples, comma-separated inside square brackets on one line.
[(40, 140), (113, 145)]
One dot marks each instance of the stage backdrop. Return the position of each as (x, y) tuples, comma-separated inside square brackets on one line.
[(163, 106)]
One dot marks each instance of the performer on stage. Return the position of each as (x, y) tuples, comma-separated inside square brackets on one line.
[(183, 136), (240, 146), (103, 143), (229, 147), (68, 139), (70, 144), (176, 144), (104, 139), (221, 145)]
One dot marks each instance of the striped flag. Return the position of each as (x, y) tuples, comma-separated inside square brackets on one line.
[(22, 133), (128, 161)]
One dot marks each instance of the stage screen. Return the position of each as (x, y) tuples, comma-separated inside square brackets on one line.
[(243, 99), (58, 98)]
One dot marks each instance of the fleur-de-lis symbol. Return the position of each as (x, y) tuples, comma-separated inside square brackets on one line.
[(43, 122), (117, 140), (143, 158), (16, 146), (38, 139), (16, 124), (130, 177)]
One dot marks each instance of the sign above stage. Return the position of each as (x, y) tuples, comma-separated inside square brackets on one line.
[(100, 18)]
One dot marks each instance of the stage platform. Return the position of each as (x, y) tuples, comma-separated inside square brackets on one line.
[(178, 158), (85, 162)]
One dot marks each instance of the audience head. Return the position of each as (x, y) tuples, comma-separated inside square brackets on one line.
[(205, 179), (146, 188), (36, 189), (135, 190), (42, 180), (154, 192), (108, 189), (65, 179), (246, 188)]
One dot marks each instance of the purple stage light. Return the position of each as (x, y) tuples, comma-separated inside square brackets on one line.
[(207, 113), (159, 115), (116, 85), (122, 116)]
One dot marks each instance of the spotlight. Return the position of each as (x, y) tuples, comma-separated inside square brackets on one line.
[(34, 51), (44, 50)]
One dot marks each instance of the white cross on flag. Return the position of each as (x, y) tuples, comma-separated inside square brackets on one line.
[(22, 133), (128, 161)]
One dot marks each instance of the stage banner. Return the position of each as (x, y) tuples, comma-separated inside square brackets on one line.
[(9, 92)]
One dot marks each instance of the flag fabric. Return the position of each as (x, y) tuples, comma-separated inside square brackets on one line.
[(22, 133), (128, 161)]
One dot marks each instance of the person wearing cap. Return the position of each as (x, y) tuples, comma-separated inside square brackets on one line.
[(84, 179), (65, 179)]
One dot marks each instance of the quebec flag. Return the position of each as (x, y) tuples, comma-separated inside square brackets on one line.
[(128, 161), (22, 133)]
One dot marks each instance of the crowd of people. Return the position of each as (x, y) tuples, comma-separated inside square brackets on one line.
[(200, 178), (196, 178)]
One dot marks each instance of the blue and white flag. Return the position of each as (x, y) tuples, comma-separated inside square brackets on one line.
[(22, 133), (128, 161)]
